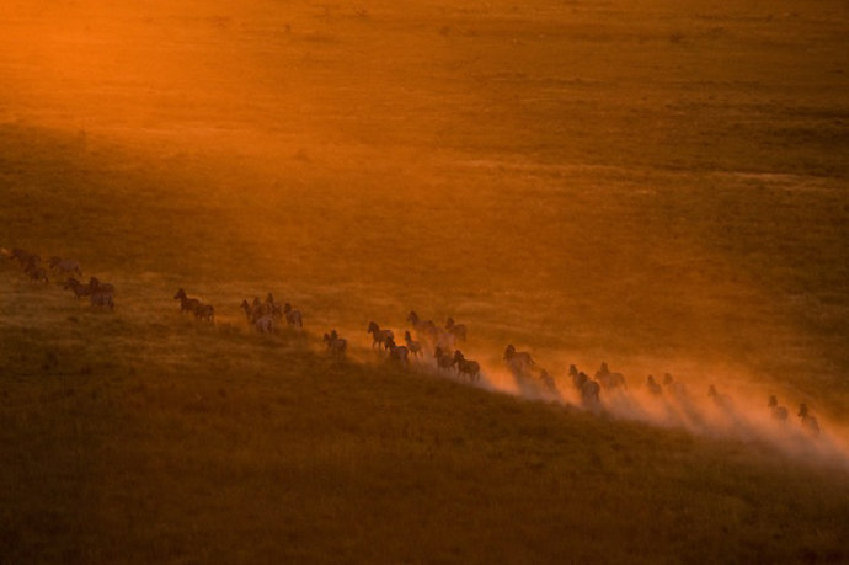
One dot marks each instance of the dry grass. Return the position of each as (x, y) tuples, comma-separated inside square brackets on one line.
[(265, 450), (658, 186)]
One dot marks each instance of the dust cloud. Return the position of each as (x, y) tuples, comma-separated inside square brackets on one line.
[(738, 410)]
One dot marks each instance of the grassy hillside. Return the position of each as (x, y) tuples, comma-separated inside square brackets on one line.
[(142, 434), (145, 436), (661, 186)]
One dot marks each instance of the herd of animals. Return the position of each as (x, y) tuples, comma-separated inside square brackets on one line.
[(438, 341), (99, 293)]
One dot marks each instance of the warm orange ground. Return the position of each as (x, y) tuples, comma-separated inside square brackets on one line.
[(659, 185)]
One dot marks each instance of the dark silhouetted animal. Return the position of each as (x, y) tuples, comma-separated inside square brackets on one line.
[(777, 411), (589, 393), (293, 316), (444, 360), (335, 344), (205, 312), (519, 361), (456, 330), (186, 304), (102, 299), (467, 367), (64, 266), (607, 379), (399, 353), (652, 386), (808, 421), (379, 336), (79, 288), (415, 347)]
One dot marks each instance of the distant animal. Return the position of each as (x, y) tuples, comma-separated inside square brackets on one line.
[(589, 393), (335, 344), (95, 285), (444, 360), (413, 318), (415, 347), (609, 380), (578, 378), (186, 304), (425, 329), (64, 266), (456, 330), (721, 400), (252, 312), (379, 336), (672, 387), (467, 367), (37, 274), (652, 386), (547, 380), (777, 412), (519, 361), (293, 316), (77, 287), (24, 257), (102, 299), (264, 324), (809, 422), (399, 353), (205, 312)]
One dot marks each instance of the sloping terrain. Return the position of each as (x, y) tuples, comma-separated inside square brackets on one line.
[(655, 186)]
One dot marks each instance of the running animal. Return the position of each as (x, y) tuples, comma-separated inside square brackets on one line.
[(399, 353), (777, 412), (77, 287), (467, 367), (721, 400), (809, 422), (37, 274), (547, 380), (97, 286), (335, 344), (415, 347), (520, 361), (102, 299), (253, 312), (64, 266), (609, 380), (205, 312), (379, 336), (444, 360), (186, 304), (264, 324), (578, 378), (425, 329), (652, 386), (293, 316), (589, 393), (456, 330)]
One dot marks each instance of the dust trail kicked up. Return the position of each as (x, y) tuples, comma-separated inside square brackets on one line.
[(743, 415)]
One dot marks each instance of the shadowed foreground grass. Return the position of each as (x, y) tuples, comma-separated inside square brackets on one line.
[(268, 451)]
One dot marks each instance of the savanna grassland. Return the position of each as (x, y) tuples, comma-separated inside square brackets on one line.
[(660, 185)]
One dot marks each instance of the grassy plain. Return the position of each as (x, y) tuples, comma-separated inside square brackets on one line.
[(656, 184)]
